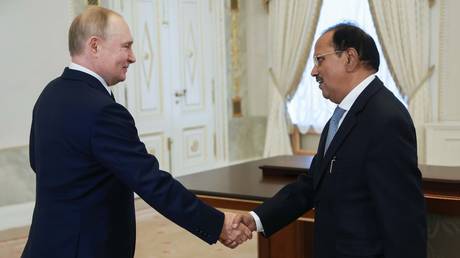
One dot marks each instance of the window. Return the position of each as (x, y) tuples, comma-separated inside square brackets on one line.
[(308, 109)]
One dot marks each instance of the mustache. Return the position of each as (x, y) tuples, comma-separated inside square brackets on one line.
[(319, 79)]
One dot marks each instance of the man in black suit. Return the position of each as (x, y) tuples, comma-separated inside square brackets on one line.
[(88, 159), (363, 183)]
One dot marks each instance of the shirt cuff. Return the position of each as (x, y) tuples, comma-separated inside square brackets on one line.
[(259, 226)]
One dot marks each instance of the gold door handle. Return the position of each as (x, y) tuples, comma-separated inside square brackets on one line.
[(180, 93)]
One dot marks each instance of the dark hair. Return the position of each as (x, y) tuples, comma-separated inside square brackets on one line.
[(348, 35)]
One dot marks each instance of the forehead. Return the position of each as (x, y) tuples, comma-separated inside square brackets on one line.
[(118, 28), (324, 43)]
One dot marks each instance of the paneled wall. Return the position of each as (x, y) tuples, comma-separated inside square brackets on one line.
[(443, 134), (248, 132), (449, 65)]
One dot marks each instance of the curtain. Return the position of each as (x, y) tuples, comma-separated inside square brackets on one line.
[(404, 30), (291, 29)]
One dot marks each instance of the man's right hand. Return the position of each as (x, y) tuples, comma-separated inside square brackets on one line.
[(233, 234), (247, 220)]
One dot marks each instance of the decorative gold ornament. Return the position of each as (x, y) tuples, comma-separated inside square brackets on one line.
[(266, 4), (147, 64), (92, 2), (235, 54), (236, 105), (195, 146)]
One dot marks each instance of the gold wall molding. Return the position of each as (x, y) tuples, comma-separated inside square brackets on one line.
[(93, 2), (235, 57)]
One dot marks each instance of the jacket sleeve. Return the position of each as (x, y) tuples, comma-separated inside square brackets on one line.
[(291, 202), (395, 184), (116, 145)]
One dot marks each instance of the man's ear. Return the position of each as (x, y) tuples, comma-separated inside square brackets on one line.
[(93, 44), (352, 59)]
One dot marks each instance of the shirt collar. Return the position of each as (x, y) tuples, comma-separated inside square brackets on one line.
[(80, 68), (351, 97)]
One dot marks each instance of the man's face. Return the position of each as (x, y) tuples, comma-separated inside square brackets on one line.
[(115, 53), (330, 71)]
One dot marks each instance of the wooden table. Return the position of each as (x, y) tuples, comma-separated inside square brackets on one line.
[(246, 185)]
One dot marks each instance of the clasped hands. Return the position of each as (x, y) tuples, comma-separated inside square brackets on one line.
[(237, 229)]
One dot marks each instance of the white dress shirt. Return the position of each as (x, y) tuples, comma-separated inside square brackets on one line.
[(346, 104), (351, 97), (80, 68)]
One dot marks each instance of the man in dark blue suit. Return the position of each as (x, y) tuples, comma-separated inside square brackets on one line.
[(88, 159), (363, 183)]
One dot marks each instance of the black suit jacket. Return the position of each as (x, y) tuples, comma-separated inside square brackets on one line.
[(366, 189), (88, 160)]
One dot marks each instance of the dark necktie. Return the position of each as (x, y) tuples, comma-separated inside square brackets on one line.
[(333, 125), (113, 97)]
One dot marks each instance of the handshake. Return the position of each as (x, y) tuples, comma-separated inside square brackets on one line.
[(237, 229)]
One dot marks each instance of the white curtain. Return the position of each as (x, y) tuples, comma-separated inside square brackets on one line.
[(404, 30), (291, 29)]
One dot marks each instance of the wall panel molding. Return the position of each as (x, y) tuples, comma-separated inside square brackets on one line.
[(443, 144)]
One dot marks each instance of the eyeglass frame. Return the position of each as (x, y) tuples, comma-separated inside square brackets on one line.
[(316, 62)]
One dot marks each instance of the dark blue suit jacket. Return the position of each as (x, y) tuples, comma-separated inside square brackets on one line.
[(88, 160), (368, 201)]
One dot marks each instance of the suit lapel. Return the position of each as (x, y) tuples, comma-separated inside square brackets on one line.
[(322, 140), (320, 154), (345, 128)]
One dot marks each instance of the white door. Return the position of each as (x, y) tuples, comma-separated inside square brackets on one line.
[(193, 146), (169, 89), (146, 91)]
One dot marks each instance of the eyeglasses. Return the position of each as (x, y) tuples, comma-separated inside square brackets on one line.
[(319, 58)]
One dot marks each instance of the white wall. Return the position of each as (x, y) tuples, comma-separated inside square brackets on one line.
[(257, 58), (443, 134), (34, 51), (449, 62)]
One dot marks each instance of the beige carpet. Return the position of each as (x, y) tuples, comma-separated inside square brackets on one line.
[(156, 237)]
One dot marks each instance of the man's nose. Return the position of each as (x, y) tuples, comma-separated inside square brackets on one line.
[(314, 71), (131, 58)]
